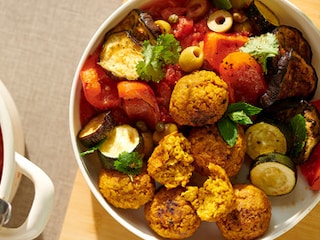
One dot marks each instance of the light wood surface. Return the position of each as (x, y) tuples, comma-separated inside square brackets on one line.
[(87, 220)]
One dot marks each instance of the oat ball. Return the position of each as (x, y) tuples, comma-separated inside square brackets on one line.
[(207, 146), (170, 216), (171, 162), (198, 99), (123, 192), (251, 216), (215, 199)]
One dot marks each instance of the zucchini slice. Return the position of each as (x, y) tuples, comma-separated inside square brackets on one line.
[(274, 173), (263, 138), (96, 129), (261, 17), (123, 138)]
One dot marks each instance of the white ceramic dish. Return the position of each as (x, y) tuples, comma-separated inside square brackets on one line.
[(15, 165), (287, 210)]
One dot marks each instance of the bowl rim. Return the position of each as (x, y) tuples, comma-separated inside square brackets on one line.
[(108, 23)]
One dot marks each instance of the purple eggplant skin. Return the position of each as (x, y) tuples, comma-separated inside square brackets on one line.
[(292, 77), (292, 38), (284, 110)]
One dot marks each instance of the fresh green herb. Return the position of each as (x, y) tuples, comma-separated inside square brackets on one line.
[(236, 113), (92, 149), (166, 51), (262, 47), (228, 130), (222, 4), (129, 163), (298, 125)]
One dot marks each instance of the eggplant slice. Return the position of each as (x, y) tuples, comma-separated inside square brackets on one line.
[(294, 77), (122, 47), (292, 38)]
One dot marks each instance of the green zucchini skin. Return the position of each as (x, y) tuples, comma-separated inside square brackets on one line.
[(121, 138), (274, 173), (96, 129), (261, 17), (283, 111)]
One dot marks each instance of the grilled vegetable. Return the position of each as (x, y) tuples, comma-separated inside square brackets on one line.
[(294, 77), (140, 25), (120, 55), (291, 38), (261, 17), (274, 173), (122, 48), (122, 138), (263, 138), (96, 129), (283, 111)]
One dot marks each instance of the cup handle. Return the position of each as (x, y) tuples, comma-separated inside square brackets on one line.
[(41, 207)]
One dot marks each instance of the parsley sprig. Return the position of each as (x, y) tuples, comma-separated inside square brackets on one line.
[(261, 48), (166, 51), (129, 163), (236, 113)]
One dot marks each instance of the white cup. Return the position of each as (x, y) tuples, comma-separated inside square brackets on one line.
[(14, 166)]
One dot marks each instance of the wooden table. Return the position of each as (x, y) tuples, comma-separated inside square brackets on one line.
[(87, 220)]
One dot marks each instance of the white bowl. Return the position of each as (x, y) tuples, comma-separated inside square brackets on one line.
[(287, 210), (14, 166)]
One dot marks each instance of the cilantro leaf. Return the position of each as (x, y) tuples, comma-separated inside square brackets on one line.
[(298, 125), (129, 163), (166, 51), (228, 130), (261, 48)]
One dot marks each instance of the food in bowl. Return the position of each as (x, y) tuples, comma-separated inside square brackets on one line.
[(170, 43)]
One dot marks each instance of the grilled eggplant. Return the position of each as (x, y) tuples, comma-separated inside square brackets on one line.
[(122, 48), (292, 38), (140, 26), (120, 55), (283, 111), (294, 77)]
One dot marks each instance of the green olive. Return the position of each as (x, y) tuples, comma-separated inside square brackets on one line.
[(164, 26), (220, 21), (196, 8), (191, 58)]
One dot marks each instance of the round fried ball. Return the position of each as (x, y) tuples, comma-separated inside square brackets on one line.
[(215, 198), (207, 146), (170, 216), (251, 217), (198, 99), (171, 162), (125, 192)]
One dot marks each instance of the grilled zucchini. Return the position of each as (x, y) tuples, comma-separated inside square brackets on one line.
[(274, 173), (122, 138), (283, 111), (96, 129), (261, 18)]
